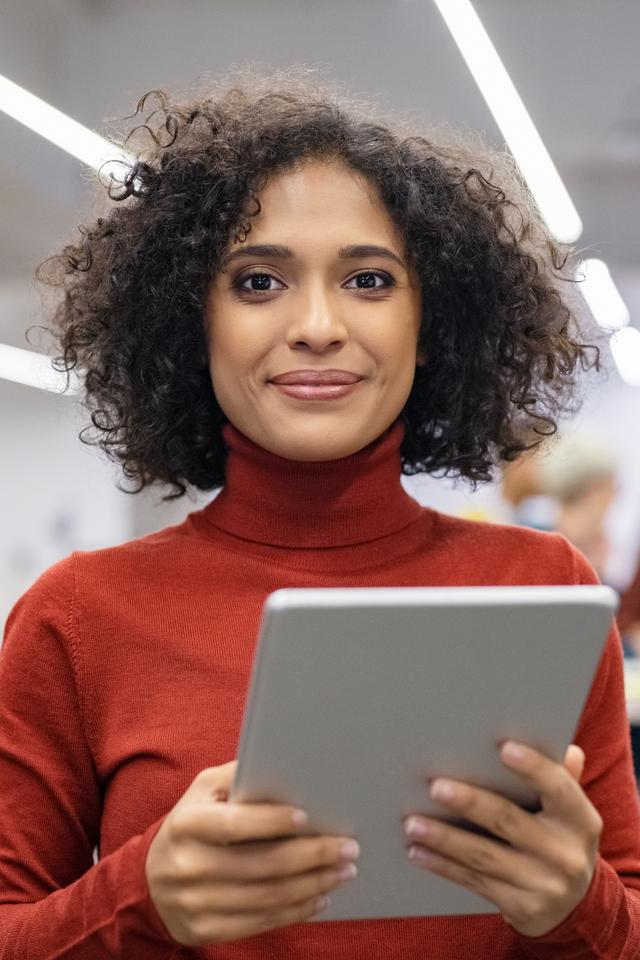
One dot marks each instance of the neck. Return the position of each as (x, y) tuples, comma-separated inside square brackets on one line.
[(270, 499)]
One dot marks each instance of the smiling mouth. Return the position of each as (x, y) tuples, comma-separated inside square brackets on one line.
[(309, 391)]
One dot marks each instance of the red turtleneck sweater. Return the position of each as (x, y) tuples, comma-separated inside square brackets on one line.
[(124, 672)]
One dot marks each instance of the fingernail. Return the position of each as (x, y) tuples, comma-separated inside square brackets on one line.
[(350, 850), (321, 903), (512, 751), (348, 871), (299, 817), (443, 790), (421, 855), (416, 827)]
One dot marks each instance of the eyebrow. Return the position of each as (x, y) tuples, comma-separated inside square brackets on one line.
[(276, 250)]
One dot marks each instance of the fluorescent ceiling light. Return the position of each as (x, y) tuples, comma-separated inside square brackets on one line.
[(34, 370), (60, 129), (25, 366), (602, 296), (512, 118), (625, 347)]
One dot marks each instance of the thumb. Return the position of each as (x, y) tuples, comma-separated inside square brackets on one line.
[(574, 761), (217, 781)]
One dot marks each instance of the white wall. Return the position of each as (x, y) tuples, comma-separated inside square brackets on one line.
[(55, 494)]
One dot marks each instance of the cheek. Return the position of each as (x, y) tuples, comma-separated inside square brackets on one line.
[(232, 345)]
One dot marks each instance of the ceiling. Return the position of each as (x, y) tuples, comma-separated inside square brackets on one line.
[(574, 63)]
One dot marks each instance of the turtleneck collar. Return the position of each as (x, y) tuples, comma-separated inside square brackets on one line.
[(269, 499)]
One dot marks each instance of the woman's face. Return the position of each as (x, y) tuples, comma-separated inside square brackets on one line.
[(315, 307)]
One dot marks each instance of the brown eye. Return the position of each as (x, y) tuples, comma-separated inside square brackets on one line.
[(260, 282), (369, 280)]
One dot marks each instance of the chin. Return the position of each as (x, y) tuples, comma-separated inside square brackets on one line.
[(320, 449)]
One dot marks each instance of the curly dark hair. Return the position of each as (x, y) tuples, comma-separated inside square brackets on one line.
[(502, 342)]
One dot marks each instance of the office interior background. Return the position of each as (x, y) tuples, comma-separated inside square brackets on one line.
[(574, 64)]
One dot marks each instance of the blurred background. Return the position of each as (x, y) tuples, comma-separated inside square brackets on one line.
[(573, 63)]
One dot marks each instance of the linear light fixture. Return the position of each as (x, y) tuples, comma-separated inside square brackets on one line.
[(512, 118), (537, 167), (625, 348), (62, 130), (603, 299), (34, 370), (26, 366)]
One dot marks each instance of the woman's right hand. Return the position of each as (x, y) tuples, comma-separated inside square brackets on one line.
[(219, 871)]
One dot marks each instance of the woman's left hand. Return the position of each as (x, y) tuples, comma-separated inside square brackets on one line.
[(541, 864)]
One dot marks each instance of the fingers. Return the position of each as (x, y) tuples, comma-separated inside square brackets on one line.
[(504, 894), (230, 927), (561, 795), (574, 760), (485, 857), (567, 824), (227, 823), (272, 895), (494, 813), (259, 861), (264, 860)]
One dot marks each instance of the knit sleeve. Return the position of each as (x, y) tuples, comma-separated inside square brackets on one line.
[(606, 924), (55, 902)]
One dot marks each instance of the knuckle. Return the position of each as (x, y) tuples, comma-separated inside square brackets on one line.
[(182, 864), (263, 923), (199, 928), (576, 866), (505, 820), (518, 916), (538, 908), (482, 858), (273, 917), (596, 825), (473, 879), (555, 888), (558, 790), (271, 896), (307, 909), (189, 907), (177, 826)]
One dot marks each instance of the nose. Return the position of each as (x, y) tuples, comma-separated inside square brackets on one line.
[(317, 322)]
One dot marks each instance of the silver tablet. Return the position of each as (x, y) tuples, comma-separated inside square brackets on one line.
[(358, 695)]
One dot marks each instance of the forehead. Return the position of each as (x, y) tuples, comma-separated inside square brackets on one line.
[(324, 196)]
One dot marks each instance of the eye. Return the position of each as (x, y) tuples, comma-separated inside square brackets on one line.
[(369, 277), (262, 282)]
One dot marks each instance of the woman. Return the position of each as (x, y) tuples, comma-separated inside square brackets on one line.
[(294, 301)]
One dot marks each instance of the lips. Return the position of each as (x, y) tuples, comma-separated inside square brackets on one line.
[(317, 377)]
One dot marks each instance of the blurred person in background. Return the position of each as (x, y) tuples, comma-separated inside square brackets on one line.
[(568, 486), (579, 473), (522, 492)]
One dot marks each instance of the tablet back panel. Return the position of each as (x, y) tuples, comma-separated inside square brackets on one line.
[(358, 695)]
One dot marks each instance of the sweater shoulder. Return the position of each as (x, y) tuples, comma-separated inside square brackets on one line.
[(487, 533), (548, 555), (153, 557), (150, 547)]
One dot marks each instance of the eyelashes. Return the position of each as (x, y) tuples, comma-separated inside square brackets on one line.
[(238, 284)]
